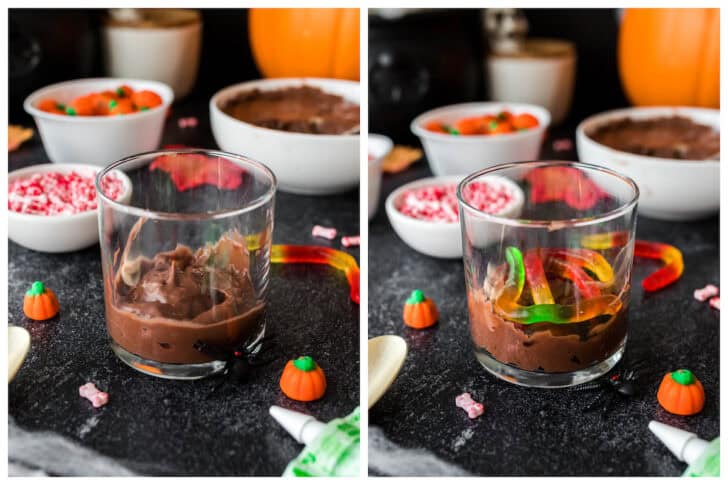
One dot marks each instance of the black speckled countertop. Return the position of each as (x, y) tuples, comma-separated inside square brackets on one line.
[(160, 427), (534, 431)]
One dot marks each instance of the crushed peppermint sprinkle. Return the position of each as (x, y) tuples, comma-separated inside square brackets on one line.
[(715, 302), (706, 293), (438, 203), (96, 397), (562, 145), (188, 122), (469, 405), (55, 193), (324, 232), (349, 241)]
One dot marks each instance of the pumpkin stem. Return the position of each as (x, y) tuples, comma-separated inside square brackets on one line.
[(416, 297), (683, 376), (305, 363), (37, 288)]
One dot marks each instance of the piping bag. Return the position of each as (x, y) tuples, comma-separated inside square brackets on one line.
[(332, 449), (702, 457)]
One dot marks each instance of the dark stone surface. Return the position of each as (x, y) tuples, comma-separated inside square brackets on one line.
[(156, 426), (533, 431)]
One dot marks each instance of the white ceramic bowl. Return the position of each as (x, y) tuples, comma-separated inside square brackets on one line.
[(378, 146), (98, 140), (59, 233), (461, 155), (673, 190), (438, 239), (303, 163)]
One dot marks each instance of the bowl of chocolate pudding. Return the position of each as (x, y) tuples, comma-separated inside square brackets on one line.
[(548, 289), (185, 261), (673, 153), (307, 130)]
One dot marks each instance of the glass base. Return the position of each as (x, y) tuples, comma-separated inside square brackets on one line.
[(183, 372), (525, 378)]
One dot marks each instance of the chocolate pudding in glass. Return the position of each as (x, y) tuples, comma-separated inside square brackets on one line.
[(548, 291), (186, 262)]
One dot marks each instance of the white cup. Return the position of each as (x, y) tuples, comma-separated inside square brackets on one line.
[(543, 74), (168, 54)]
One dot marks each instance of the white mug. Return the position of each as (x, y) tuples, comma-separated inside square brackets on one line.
[(168, 54), (542, 75)]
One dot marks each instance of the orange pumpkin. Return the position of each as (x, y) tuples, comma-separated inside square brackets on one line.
[(303, 380), (305, 42), (671, 56), (40, 303), (419, 311), (681, 393)]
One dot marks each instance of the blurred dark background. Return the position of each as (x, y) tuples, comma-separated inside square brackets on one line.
[(436, 58), (47, 46)]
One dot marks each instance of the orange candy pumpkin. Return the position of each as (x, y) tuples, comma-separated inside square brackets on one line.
[(40, 303), (303, 380), (305, 42), (681, 393), (671, 56), (419, 311)]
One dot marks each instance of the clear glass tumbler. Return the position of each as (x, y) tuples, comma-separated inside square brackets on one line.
[(186, 261), (548, 277)]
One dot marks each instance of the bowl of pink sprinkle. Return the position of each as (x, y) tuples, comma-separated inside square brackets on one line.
[(424, 213), (52, 208)]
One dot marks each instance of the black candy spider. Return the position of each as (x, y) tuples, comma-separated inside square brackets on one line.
[(240, 361), (618, 384)]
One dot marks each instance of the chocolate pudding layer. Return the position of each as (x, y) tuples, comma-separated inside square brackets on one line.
[(162, 306), (544, 347), (303, 109), (675, 137)]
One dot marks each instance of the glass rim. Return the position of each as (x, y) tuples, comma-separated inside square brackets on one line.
[(186, 216), (552, 224)]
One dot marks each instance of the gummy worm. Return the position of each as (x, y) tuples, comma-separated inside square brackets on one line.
[(584, 258), (670, 255), (285, 253), (507, 304), (570, 271), (605, 240), (536, 277)]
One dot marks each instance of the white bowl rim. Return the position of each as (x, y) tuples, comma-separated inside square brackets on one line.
[(606, 116), (162, 89), (576, 222), (127, 208), (156, 30), (384, 140), (62, 167), (282, 81), (416, 126), (425, 182)]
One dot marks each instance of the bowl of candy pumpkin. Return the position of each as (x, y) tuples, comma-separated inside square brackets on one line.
[(463, 138), (101, 120)]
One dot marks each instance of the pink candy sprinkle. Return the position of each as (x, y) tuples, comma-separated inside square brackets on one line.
[(349, 241), (466, 402), (440, 204), (90, 392), (189, 122), (562, 145), (55, 193), (704, 294), (324, 232), (715, 302)]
